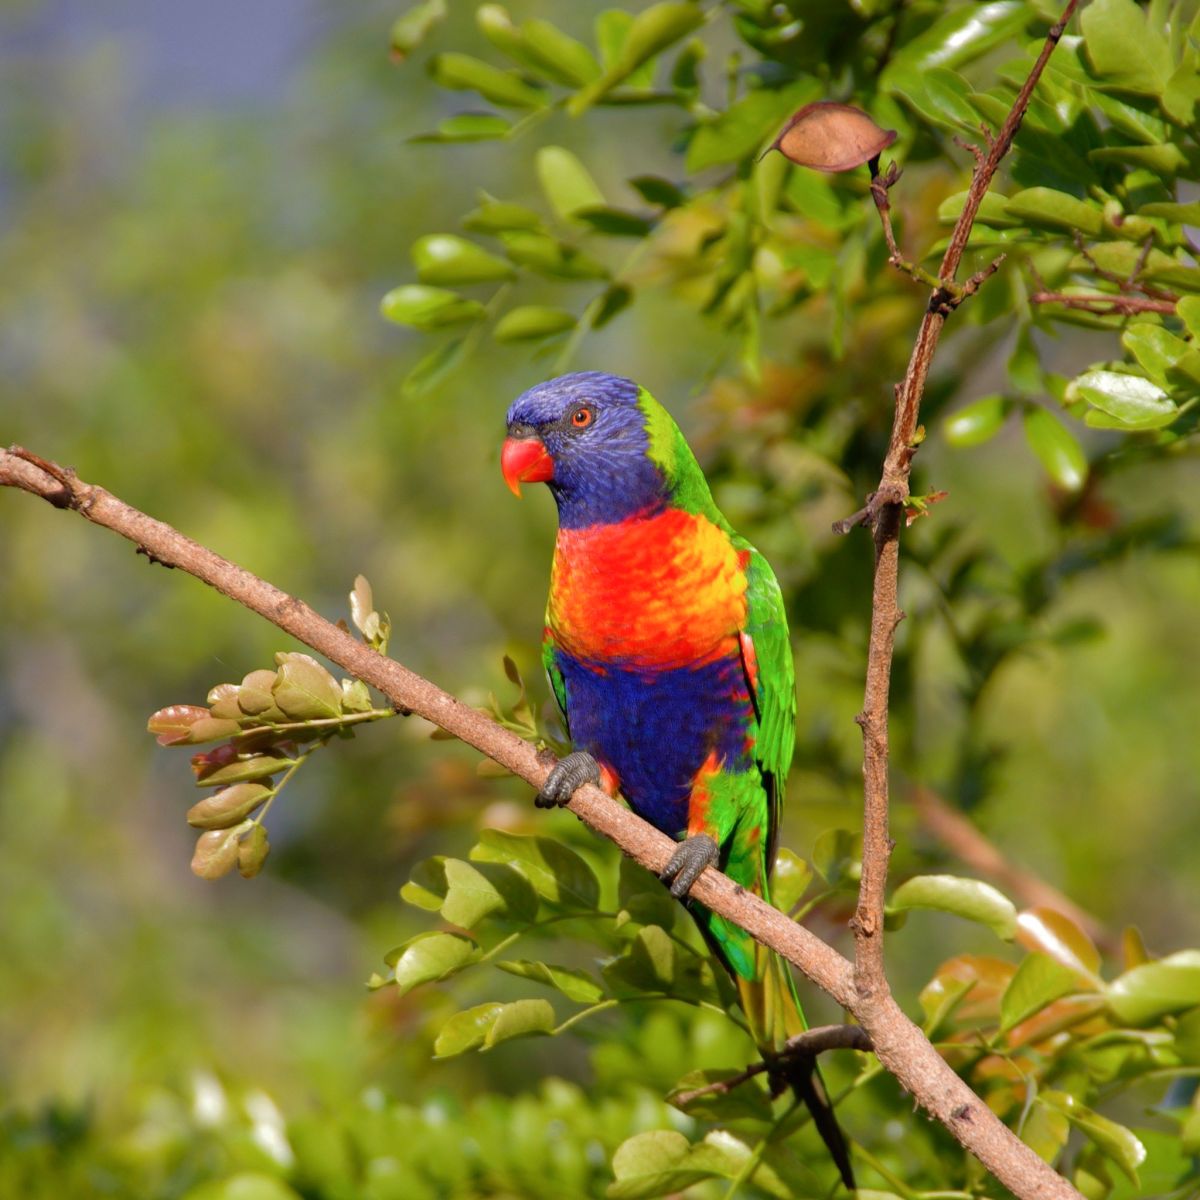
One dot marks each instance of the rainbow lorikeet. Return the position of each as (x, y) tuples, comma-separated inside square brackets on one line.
[(667, 646)]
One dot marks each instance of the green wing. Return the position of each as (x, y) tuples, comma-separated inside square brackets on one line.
[(772, 677), (557, 682)]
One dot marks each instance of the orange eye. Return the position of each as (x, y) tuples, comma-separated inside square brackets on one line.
[(581, 418)]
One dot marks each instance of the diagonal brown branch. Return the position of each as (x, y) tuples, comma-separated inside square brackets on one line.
[(899, 1044)]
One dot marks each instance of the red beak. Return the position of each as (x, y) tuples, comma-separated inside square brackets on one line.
[(525, 460)]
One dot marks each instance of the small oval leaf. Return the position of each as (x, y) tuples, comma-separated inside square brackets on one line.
[(971, 899)]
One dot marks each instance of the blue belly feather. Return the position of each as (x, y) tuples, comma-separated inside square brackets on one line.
[(656, 729)]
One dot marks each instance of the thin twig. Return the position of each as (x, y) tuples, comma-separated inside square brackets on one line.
[(806, 1045), (1125, 305), (899, 1045)]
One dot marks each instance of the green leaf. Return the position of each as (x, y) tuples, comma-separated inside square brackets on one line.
[(1165, 160), (992, 211), (474, 891), (411, 29), (242, 770), (651, 1164), (641, 896), (655, 190), (1117, 1142), (565, 181), (971, 899), (446, 258), (557, 873), (252, 852), (434, 367), (789, 880), (573, 61), (1187, 1037), (1177, 214), (977, 422), (961, 36), (615, 222), (244, 1185), (466, 1030), (256, 694), (1155, 349), (227, 807), (1056, 449), (1045, 1131), (462, 72), (1127, 51), (837, 856), (468, 127), (649, 34), (1135, 402), (744, 128), (575, 985), (521, 1018), (547, 256), (304, 690), (1188, 310), (1152, 990), (429, 957), (613, 302), (495, 216), (532, 321), (1046, 208), (428, 308), (1039, 981), (654, 964)]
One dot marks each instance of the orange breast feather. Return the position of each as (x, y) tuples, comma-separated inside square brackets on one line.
[(659, 592)]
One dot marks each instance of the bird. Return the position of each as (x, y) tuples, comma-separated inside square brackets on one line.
[(666, 644)]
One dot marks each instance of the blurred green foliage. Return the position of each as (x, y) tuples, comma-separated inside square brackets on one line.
[(191, 320)]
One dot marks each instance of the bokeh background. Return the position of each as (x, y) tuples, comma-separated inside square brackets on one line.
[(202, 207)]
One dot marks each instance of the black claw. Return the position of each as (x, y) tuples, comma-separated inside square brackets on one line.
[(568, 775), (688, 862)]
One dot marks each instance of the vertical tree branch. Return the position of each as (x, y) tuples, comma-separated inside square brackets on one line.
[(883, 514)]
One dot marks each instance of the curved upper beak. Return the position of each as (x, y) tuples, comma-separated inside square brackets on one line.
[(525, 460)]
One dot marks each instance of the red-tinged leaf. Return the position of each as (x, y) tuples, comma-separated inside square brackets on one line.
[(173, 724), (1046, 930), (210, 760), (211, 730), (242, 770), (986, 977), (216, 853), (223, 702)]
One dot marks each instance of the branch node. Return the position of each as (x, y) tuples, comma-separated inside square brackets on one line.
[(153, 558)]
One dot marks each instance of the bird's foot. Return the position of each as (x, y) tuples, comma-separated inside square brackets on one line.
[(571, 772), (694, 854)]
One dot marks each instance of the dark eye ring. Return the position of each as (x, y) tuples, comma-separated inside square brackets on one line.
[(581, 418)]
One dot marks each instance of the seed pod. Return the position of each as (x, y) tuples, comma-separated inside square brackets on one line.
[(227, 807), (216, 853), (832, 137), (252, 852)]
